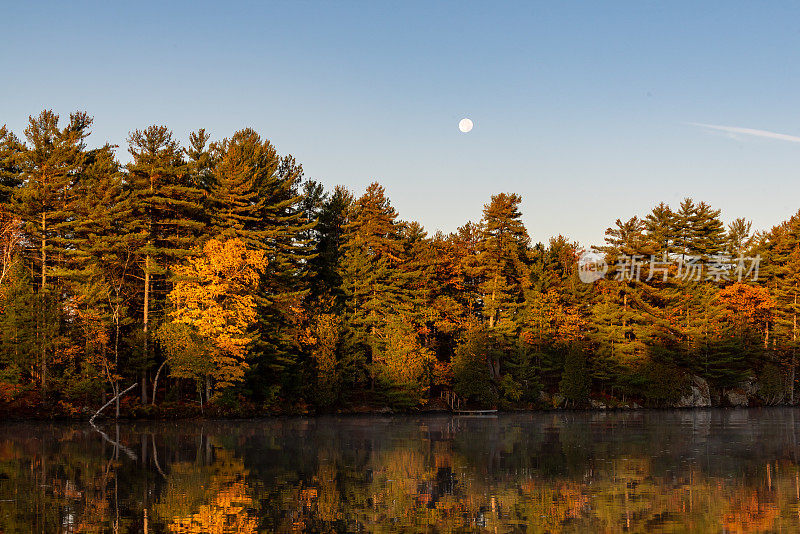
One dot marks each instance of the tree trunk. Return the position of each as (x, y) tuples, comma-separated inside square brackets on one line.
[(794, 354), (155, 381), (494, 309), (42, 304), (106, 405), (116, 355), (146, 332)]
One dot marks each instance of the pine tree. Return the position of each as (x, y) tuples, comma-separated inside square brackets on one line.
[(311, 204), (331, 218), (11, 149), (417, 268), (242, 162), (19, 327), (781, 274), (684, 227), (660, 288), (575, 383), (503, 262), (104, 242), (200, 161), (661, 232), (51, 162), (631, 316), (699, 230), (284, 285), (449, 287), (626, 239), (715, 351), (739, 239), (374, 287), (708, 232), (620, 333), (466, 243), (502, 265), (167, 206), (478, 347)]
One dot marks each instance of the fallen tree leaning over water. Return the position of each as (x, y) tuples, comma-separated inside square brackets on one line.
[(106, 405)]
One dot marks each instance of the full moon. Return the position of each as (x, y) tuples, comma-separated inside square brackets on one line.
[(465, 125)]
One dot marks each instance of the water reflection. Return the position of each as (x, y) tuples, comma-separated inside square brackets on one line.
[(711, 471)]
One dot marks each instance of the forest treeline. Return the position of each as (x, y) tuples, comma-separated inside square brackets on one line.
[(218, 273)]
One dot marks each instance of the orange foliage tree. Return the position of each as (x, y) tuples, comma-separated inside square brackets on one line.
[(214, 296), (749, 308)]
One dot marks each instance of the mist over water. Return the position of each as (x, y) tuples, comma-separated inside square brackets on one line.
[(673, 471)]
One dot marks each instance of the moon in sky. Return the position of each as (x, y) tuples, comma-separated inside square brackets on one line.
[(465, 125)]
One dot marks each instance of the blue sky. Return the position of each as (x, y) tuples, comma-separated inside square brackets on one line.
[(592, 111)]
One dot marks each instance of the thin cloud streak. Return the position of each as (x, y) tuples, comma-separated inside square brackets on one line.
[(749, 131)]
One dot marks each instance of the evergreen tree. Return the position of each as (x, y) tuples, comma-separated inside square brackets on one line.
[(167, 207), (104, 242), (708, 232), (620, 331), (19, 327), (699, 230), (781, 275), (242, 162), (739, 239), (661, 232), (466, 243), (716, 352), (474, 354), (51, 162), (284, 286), (503, 261), (200, 161), (626, 239), (502, 265), (374, 287), (11, 149), (575, 382), (343, 297), (331, 217), (684, 227)]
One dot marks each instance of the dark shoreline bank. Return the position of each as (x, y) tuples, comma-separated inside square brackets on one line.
[(5, 416)]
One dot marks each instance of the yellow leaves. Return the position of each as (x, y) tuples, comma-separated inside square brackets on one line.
[(227, 508), (215, 296)]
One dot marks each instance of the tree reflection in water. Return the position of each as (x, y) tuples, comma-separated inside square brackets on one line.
[(693, 471)]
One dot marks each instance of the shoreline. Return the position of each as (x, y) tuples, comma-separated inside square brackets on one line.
[(62, 418)]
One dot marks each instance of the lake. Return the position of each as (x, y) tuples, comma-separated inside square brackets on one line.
[(643, 471)]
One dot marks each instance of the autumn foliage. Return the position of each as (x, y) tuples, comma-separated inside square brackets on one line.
[(215, 271), (214, 297)]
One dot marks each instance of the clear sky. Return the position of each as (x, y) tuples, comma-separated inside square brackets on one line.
[(592, 111)]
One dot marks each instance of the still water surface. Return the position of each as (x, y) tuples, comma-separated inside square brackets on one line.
[(682, 471)]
